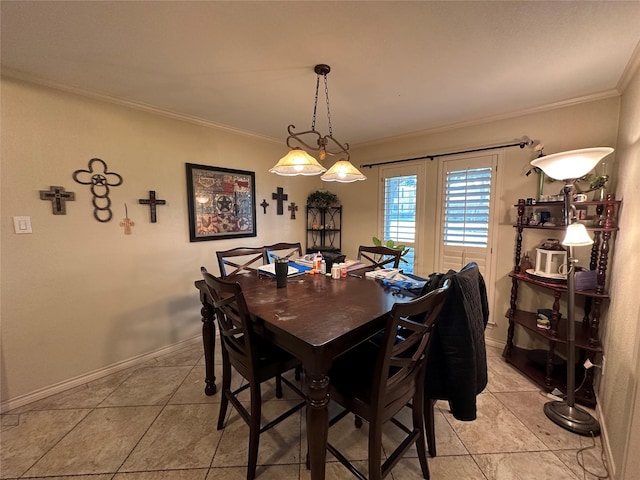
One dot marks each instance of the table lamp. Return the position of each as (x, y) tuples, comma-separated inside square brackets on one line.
[(568, 167)]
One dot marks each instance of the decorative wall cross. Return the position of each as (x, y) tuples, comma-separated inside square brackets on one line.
[(152, 201), (280, 196), (264, 205), (100, 180), (293, 208), (58, 198), (126, 222)]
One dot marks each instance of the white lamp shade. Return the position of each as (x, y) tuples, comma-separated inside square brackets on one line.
[(343, 171), (297, 162), (572, 164), (577, 236)]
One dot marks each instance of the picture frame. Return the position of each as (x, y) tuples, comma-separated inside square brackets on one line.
[(221, 203)]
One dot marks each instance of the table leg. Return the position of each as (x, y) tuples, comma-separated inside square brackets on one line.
[(209, 344), (317, 423)]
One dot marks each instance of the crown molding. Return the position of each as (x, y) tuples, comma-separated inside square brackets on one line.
[(25, 77), (632, 67), (494, 118)]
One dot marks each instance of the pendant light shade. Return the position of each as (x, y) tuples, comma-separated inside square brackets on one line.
[(571, 164), (343, 171), (297, 162)]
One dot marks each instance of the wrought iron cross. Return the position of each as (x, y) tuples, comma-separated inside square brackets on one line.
[(264, 205), (293, 208), (280, 196), (152, 201), (58, 198)]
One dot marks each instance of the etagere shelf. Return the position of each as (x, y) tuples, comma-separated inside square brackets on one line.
[(324, 229), (545, 367)]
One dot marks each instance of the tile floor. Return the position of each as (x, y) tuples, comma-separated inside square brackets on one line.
[(153, 422)]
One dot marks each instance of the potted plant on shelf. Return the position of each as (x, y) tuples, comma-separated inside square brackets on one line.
[(322, 199)]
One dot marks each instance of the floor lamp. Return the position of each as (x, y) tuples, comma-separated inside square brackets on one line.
[(568, 167)]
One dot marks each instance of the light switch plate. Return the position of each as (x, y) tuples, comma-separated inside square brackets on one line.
[(22, 224)]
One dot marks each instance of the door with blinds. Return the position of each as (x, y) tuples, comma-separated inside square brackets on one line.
[(400, 209), (466, 201)]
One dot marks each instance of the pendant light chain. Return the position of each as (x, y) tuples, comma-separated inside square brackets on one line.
[(315, 104), (326, 92)]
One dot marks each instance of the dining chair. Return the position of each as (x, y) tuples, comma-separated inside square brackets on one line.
[(377, 395), (283, 249), (256, 359), (240, 260), (379, 257)]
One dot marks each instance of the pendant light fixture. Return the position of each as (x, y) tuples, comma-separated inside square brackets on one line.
[(300, 162)]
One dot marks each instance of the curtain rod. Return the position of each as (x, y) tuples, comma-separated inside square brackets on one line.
[(525, 141)]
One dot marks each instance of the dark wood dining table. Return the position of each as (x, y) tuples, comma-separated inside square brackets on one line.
[(316, 320)]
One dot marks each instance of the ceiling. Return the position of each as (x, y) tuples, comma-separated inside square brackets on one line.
[(396, 67)]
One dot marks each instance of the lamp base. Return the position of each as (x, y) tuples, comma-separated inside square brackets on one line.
[(573, 418)]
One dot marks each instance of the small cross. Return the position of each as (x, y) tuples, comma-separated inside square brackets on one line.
[(264, 205), (152, 202), (293, 208), (280, 196), (126, 222), (58, 198)]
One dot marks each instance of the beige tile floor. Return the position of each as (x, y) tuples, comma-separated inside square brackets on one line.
[(153, 422)]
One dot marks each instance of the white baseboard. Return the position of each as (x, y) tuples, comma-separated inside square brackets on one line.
[(22, 400)]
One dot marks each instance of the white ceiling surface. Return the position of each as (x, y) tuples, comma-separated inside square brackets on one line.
[(397, 67)]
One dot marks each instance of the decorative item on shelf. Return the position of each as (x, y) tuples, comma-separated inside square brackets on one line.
[(550, 257), (299, 162), (525, 263), (543, 319), (569, 166), (322, 199)]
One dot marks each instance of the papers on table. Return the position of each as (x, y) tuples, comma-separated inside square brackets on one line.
[(294, 269)]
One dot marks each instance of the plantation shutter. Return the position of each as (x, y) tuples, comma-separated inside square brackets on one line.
[(467, 205)]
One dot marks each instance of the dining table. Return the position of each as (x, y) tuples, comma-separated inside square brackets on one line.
[(315, 318)]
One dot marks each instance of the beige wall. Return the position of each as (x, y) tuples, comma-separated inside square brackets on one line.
[(619, 388), (78, 295)]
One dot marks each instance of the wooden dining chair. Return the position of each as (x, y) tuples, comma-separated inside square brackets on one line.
[(377, 395), (283, 249), (379, 257), (256, 359), (240, 260)]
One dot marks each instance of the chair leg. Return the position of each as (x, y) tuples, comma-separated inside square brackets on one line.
[(418, 423), (226, 388), (254, 431), (375, 451), (429, 416), (278, 386)]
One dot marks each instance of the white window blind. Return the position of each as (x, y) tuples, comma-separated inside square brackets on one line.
[(467, 203), (399, 219)]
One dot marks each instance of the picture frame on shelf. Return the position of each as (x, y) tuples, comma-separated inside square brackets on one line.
[(221, 203)]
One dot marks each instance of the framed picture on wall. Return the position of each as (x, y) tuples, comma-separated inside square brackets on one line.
[(221, 203)]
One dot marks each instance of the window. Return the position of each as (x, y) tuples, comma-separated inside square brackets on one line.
[(467, 206), (399, 215)]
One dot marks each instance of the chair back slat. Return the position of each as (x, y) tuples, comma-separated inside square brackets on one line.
[(240, 260), (379, 257), (400, 370), (283, 249), (234, 321)]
